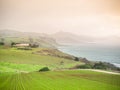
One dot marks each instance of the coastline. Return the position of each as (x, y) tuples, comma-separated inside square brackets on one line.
[(67, 49), (116, 64)]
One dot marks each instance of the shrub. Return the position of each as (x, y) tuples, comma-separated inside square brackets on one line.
[(100, 65), (105, 66), (1, 43), (85, 66), (76, 59), (13, 43), (44, 69)]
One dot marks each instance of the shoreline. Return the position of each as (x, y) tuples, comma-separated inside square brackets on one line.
[(114, 63)]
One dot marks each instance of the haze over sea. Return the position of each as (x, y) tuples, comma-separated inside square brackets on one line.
[(94, 53)]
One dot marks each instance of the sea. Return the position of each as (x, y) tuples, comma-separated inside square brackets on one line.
[(109, 54)]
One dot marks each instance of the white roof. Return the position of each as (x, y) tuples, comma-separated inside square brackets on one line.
[(22, 44)]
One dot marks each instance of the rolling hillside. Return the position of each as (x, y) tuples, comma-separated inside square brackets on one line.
[(12, 60), (9, 36), (70, 38), (19, 69)]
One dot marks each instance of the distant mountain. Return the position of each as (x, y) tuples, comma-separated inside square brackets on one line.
[(67, 37), (109, 41), (13, 33), (70, 38), (27, 37), (52, 40)]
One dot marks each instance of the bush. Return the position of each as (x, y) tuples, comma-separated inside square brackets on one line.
[(13, 43), (76, 59), (44, 69), (86, 66), (1, 43), (105, 66), (100, 65)]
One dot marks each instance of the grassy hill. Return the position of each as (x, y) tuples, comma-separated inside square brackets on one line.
[(19, 68), (19, 71), (70, 38), (9, 36), (30, 60)]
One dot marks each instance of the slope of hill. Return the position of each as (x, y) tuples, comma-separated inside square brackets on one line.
[(43, 40), (12, 59), (70, 38), (19, 71), (55, 53), (67, 37)]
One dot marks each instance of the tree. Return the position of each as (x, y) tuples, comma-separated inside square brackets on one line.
[(13, 43), (100, 65), (1, 43)]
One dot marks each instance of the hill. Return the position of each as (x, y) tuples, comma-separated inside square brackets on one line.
[(70, 38), (13, 59), (19, 69), (67, 37), (9, 36)]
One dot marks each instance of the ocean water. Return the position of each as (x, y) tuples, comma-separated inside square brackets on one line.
[(94, 53)]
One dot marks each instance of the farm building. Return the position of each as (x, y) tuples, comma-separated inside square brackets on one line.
[(22, 45)]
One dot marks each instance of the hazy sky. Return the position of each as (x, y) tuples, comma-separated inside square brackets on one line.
[(88, 17)]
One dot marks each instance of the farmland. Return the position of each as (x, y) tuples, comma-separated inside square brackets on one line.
[(13, 59), (59, 80), (19, 71)]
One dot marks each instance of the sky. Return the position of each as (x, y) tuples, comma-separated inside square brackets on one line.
[(97, 18)]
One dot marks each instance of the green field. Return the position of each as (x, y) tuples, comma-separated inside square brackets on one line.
[(13, 59), (19, 71), (59, 80)]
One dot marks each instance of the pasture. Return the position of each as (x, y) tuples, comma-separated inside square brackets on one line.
[(60, 80), (19, 71), (12, 60)]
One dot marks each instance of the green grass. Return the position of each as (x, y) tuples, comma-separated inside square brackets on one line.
[(26, 57), (12, 60), (18, 72), (12, 67), (43, 42), (59, 80)]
